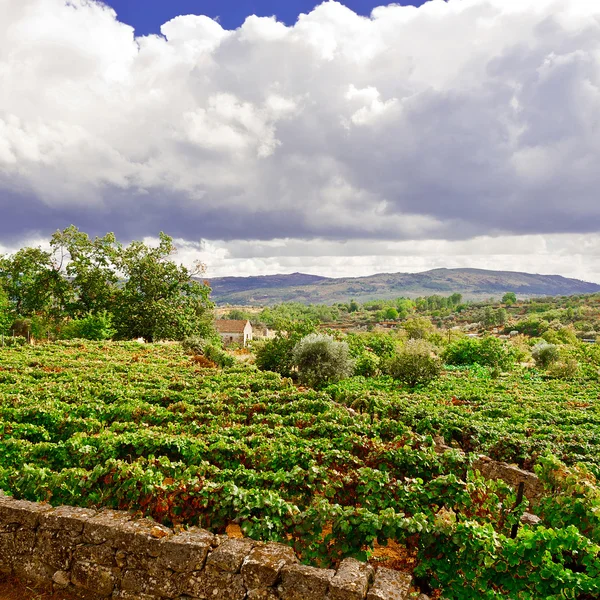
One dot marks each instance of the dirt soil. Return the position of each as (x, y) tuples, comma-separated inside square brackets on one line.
[(14, 590)]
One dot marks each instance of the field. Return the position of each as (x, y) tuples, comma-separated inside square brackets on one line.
[(143, 427)]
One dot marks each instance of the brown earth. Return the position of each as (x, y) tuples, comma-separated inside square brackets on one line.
[(11, 589)]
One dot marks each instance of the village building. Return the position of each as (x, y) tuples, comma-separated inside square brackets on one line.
[(234, 331)]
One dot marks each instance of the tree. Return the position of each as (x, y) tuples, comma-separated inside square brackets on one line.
[(509, 298), (276, 354), (322, 360), (418, 328), (5, 317), (159, 299), (415, 364), (545, 354), (90, 267), (34, 283)]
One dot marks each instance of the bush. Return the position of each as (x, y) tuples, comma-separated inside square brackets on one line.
[(17, 340), (218, 356), (564, 369), (194, 344), (418, 328), (488, 351), (367, 364), (545, 354), (276, 354), (415, 364), (92, 327), (321, 360)]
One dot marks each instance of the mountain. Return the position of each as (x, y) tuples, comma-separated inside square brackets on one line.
[(475, 284)]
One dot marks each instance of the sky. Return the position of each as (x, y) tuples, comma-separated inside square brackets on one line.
[(336, 139)]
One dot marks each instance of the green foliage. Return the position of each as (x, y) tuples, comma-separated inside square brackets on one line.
[(545, 354), (509, 298), (5, 316), (414, 364), (159, 299), (367, 364), (15, 341), (567, 368), (276, 354), (92, 327), (532, 326), (218, 356), (418, 328), (280, 316), (487, 351), (194, 344), (321, 360)]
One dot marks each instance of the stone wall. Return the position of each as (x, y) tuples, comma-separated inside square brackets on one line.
[(109, 554), (492, 469)]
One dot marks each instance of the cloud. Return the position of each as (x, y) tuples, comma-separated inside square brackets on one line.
[(451, 121)]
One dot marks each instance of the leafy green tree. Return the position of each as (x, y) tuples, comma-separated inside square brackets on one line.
[(488, 351), (509, 298), (416, 363), (159, 299), (90, 267), (5, 316), (34, 283), (91, 327), (322, 360), (391, 313), (418, 328), (276, 354)]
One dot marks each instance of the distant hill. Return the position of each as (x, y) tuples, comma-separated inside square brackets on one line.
[(312, 289)]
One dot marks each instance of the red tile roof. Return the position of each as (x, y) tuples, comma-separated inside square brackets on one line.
[(230, 326)]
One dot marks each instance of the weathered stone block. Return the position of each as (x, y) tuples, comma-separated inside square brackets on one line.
[(99, 554), (94, 578), (141, 535), (351, 580), (67, 519), (34, 571), (24, 513), (102, 527), (262, 594), (390, 585), (7, 552), (141, 582), (54, 550), (262, 566), (186, 551), (300, 582), (230, 555), (24, 540)]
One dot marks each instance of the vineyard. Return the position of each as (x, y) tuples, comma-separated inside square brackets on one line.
[(331, 473)]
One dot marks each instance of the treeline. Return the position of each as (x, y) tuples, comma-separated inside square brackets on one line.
[(100, 289)]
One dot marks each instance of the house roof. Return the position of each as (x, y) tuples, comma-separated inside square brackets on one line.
[(230, 325)]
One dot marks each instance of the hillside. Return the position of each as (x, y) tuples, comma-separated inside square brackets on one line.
[(471, 283)]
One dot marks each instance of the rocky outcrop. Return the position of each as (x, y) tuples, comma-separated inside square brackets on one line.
[(109, 554)]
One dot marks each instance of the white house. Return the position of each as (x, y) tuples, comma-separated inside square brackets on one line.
[(234, 331)]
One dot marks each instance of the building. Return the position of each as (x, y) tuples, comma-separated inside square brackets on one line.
[(234, 331)]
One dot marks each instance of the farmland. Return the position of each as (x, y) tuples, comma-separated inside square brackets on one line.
[(330, 472)]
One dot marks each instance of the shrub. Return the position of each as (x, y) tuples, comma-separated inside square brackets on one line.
[(218, 356), (545, 354), (415, 364), (194, 344), (321, 360), (418, 328), (367, 364), (92, 327), (276, 354), (564, 369), (533, 327), (17, 340), (488, 351)]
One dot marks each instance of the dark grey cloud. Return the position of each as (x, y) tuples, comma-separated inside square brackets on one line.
[(456, 120)]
